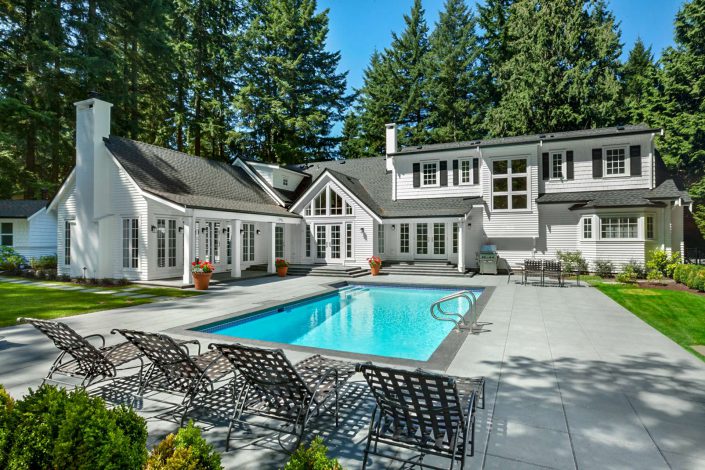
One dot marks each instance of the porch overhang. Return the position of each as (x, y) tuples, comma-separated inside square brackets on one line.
[(250, 217)]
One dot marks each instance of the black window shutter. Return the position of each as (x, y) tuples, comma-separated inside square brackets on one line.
[(417, 174), (444, 172), (545, 165), (597, 163), (635, 160), (475, 171), (569, 166), (455, 173)]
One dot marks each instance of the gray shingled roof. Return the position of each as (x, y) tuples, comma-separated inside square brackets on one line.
[(669, 190), (368, 179), (192, 181), (19, 208), (533, 138)]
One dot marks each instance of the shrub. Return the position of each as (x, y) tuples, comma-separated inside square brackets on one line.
[(572, 260), (628, 275), (691, 275), (43, 262), (636, 267), (313, 457), (53, 428), (660, 261), (604, 268), (10, 260), (184, 450), (65, 278), (654, 275)]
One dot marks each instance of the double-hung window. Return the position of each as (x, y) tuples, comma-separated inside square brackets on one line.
[(587, 228), (557, 165), (6, 235), (130, 243), (615, 161), (510, 190), (649, 227), (278, 241), (466, 171), (619, 227), (429, 174)]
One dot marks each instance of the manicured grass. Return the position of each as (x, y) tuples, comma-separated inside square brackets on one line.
[(20, 300), (677, 314)]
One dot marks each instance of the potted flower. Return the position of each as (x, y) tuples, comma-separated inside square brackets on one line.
[(375, 264), (282, 266), (202, 272)]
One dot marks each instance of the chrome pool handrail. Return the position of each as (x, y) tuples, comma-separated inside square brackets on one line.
[(460, 323)]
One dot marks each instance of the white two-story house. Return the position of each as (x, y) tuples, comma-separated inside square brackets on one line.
[(139, 211)]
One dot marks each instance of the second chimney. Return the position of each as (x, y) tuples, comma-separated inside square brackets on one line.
[(391, 138)]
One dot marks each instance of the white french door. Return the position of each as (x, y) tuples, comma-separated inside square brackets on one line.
[(328, 243), (430, 241)]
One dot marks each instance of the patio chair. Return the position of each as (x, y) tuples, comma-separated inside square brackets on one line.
[(79, 358), (553, 268), (274, 388), (533, 266), (428, 413), (175, 371)]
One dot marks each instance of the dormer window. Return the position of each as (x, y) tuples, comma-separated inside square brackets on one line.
[(429, 173), (615, 161), (557, 165)]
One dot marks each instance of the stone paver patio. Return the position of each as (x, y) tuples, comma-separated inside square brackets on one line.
[(573, 379)]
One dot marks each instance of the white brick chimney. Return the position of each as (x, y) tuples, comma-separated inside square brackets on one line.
[(391, 147), (92, 182)]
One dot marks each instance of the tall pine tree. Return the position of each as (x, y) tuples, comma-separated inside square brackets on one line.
[(639, 77), (452, 88), (561, 75)]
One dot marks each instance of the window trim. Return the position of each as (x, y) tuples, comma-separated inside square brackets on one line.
[(10, 234), (625, 149), (620, 216), (279, 230), (437, 164), (455, 229), (349, 240), (67, 242), (652, 218), (133, 248), (509, 192), (470, 181), (380, 239), (408, 238), (587, 221), (552, 167)]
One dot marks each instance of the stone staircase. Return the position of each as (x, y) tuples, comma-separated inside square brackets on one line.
[(421, 268), (327, 270)]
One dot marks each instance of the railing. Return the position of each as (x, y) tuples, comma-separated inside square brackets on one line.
[(695, 255), (455, 317)]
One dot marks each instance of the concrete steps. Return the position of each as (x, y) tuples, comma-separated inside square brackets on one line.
[(421, 268), (326, 270)]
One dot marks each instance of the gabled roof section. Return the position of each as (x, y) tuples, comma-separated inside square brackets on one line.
[(368, 179), (20, 208), (190, 181), (669, 189), (601, 199), (533, 138)]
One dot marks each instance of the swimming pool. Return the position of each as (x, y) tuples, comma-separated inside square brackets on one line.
[(390, 321)]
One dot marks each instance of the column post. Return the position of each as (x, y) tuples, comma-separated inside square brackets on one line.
[(461, 246), (272, 236), (236, 243), (189, 248)]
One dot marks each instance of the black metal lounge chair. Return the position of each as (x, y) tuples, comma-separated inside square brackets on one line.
[(531, 267), (175, 371), (553, 268), (428, 413), (79, 358), (274, 388)]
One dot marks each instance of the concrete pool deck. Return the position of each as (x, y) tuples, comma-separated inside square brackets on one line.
[(573, 379)]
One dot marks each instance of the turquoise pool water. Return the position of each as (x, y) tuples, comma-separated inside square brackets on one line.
[(389, 321)]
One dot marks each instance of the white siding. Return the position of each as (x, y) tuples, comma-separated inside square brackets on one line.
[(404, 171), (157, 210), (42, 235), (20, 236), (558, 227)]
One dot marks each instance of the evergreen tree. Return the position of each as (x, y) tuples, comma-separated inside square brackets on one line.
[(452, 87), (561, 75), (640, 84), (290, 92), (682, 111)]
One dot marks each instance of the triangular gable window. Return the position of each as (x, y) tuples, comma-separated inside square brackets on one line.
[(328, 202)]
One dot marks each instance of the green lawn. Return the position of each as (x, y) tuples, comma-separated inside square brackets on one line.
[(19, 300), (679, 315)]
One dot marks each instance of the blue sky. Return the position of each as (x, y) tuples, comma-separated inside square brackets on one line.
[(358, 27)]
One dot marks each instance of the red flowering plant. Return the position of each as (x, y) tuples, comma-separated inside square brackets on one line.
[(375, 262), (202, 267), (281, 263)]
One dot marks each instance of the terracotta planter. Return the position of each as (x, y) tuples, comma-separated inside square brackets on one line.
[(201, 280), (282, 271), (374, 270)]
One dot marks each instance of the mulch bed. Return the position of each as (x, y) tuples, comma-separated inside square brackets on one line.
[(669, 286)]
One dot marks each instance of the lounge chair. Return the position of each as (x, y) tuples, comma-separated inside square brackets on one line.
[(553, 268), (533, 266), (276, 389), (79, 358), (175, 371), (428, 413)]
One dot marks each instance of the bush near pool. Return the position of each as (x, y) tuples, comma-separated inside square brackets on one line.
[(691, 275)]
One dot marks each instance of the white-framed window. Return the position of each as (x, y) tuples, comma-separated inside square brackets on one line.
[(380, 238), (248, 242), (336, 203), (649, 227), (429, 174), (229, 244), (456, 228), (421, 239), (348, 240), (161, 243), (510, 184), (557, 160), (587, 228), (166, 243), (285, 181), (130, 243), (320, 204), (278, 241), (216, 242), (466, 171), (439, 238), (7, 237), (307, 211), (308, 241), (348, 209), (67, 243), (403, 238), (328, 202), (619, 227), (615, 161)]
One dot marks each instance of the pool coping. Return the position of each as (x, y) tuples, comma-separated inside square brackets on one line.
[(440, 359)]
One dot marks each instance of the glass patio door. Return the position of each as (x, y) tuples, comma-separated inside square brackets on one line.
[(328, 243), (430, 241)]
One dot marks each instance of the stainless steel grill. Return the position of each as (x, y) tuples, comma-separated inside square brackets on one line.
[(487, 259)]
